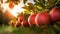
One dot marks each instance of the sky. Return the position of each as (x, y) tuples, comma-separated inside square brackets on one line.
[(31, 1)]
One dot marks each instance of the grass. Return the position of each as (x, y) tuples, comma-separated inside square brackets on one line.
[(25, 30), (20, 30)]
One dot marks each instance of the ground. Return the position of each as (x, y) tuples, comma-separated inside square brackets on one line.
[(24, 30)]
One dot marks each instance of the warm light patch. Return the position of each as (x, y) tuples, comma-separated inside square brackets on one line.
[(17, 8)]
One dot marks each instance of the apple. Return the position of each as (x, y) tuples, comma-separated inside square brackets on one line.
[(42, 18), (31, 19), (24, 23), (17, 24), (21, 18), (13, 24), (55, 14)]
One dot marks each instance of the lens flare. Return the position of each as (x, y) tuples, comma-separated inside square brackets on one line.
[(16, 9)]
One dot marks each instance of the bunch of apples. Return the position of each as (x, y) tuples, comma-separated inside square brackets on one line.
[(41, 18)]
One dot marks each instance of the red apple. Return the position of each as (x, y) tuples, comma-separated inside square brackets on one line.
[(17, 24), (21, 18), (42, 18), (55, 14), (24, 23), (13, 24), (31, 19)]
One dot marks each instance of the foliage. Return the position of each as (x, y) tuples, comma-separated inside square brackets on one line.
[(40, 5)]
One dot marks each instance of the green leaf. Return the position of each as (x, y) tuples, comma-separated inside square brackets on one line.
[(42, 1), (36, 1), (26, 7), (52, 3), (29, 7), (31, 4), (57, 28), (58, 2), (26, 12), (24, 1), (39, 5)]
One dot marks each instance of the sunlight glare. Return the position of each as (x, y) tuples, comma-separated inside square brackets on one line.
[(17, 8)]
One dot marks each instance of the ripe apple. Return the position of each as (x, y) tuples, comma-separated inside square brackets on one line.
[(55, 14), (42, 18), (21, 18), (31, 19), (13, 24), (17, 24), (24, 23)]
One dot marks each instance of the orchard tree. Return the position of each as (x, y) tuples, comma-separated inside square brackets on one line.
[(43, 14)]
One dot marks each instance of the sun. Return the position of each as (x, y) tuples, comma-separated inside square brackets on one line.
[(16, 9)]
